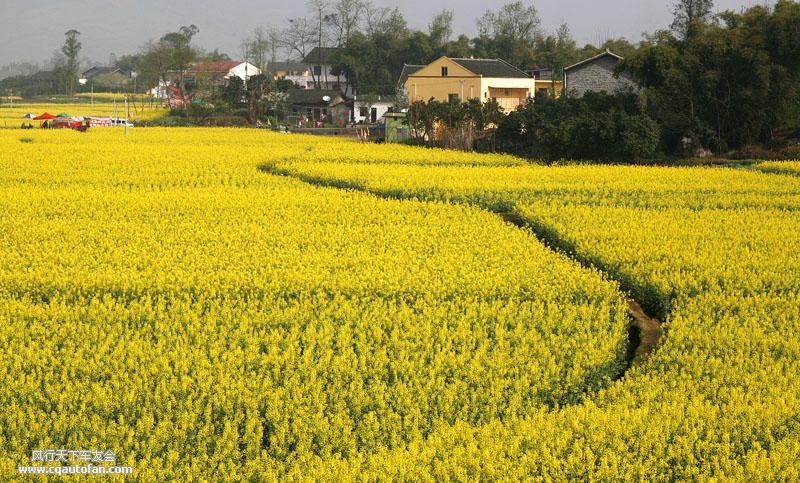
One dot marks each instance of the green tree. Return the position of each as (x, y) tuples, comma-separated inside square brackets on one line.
[(71, 49), (257, 89), (180, 54), (687, 11), (441, 28), (728, 84), (509, 33), (234, 93), (557, 51), (372, 60), (459, 48)]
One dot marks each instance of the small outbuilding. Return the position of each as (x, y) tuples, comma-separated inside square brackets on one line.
[(597, 74), (318, 106)]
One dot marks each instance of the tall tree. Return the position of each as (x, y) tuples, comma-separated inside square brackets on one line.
[(509, 33), (321, 19), (172, 55), (71, 49), (344, 20), (155, 65), (260, 48), (181, 55), (687, 11), (441, 28), (557, 51), (299, 37)]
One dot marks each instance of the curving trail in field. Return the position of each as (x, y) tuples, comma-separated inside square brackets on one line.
[(649, 331), (645, 332)]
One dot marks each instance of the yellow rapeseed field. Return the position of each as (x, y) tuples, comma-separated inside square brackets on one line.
[(780, 167), (110, 106), (715, 252), (239, 305), (164, 298)]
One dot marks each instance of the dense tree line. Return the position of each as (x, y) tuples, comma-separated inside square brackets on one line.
[(597, 126), (375, 42), (729, 83), (725, 83)]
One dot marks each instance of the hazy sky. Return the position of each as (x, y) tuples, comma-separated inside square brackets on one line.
[(32, 30)]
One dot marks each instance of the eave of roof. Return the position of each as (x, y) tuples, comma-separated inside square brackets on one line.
[(490, 67), (602, 54)]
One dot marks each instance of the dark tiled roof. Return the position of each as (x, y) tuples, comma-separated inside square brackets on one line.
[(407, 71), (490, 67), (320, 55), (97, 71), (602, 54)]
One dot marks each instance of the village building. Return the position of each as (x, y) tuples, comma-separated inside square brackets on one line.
[(459, 80), (317, 106), (323, 74), (596, 74), (217, 74), (296, 72)]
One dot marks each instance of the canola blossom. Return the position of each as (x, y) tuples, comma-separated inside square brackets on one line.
[(712, 251), (780, 167), (238, 305), (141, 109), (162, 296)]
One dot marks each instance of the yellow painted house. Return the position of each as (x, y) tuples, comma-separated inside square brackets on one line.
[(452, 79)]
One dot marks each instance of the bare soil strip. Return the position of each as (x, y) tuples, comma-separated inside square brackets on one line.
[(649, 331)]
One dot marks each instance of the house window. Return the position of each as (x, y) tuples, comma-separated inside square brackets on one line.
[(444, 71), (506, 92), (363, 111), (452, 98), (317, 70)]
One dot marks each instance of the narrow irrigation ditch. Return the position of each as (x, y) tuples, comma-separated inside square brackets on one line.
[(646, 306)]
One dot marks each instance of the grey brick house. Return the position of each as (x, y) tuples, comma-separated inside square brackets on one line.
[(597, 74)]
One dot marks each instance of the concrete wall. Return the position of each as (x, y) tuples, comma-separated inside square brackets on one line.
[(596, 75)]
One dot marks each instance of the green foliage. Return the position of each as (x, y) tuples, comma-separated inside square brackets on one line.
[(687, 11), (596, 126), (234, 94), (512, 31), (170, 121), (200, 111), (69, 69), (738, 77), (639, 136)]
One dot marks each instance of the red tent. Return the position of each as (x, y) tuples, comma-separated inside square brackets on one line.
[(46, 115)]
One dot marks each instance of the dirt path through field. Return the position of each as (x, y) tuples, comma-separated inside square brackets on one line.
[(646, 331), (649, 331)]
